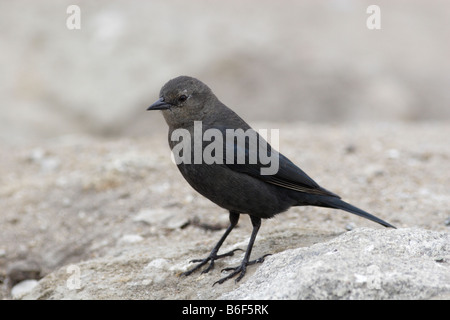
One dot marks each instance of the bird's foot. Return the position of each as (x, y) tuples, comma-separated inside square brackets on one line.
[(241, 269), (211, 258)]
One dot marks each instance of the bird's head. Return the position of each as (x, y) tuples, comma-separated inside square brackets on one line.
[(183, 100)]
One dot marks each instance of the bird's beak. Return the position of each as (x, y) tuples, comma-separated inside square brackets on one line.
[(159, 105)]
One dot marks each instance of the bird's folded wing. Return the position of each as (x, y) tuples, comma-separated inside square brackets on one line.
[(287, 176)]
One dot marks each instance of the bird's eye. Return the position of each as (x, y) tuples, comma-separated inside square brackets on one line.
[(182, 98)]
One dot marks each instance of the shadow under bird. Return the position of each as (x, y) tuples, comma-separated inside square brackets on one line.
[(237, 186)]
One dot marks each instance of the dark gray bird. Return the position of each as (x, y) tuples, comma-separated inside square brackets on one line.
[(237, 186)]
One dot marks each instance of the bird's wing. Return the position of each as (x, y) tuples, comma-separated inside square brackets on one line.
[(287, 176)]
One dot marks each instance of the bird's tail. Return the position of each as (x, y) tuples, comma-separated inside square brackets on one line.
[(337, 203)]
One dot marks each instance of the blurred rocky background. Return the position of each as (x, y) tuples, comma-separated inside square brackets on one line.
[(269, 60), (85, 176)]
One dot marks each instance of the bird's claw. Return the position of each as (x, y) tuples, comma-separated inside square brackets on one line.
[(241, 269), (212, 257)]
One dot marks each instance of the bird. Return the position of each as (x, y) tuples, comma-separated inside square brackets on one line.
[(190, 109)]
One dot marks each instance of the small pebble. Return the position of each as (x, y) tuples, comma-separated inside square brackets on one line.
[(22, 288), (130, 238), (350, 226)]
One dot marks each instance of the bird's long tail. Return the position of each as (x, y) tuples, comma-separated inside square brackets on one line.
[(337, 203)]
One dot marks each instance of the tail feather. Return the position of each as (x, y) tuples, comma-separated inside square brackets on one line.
[(337, 203)]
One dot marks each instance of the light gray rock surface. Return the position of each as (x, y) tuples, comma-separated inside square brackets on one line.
[(360, 264), (116, 218)]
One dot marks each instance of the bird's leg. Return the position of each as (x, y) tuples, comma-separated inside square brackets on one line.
[(234, 218), (242, 268)]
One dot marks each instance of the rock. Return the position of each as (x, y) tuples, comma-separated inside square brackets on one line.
[(161, 218), (361, 264), (22, 288), (47, 163), (109, 214), (150, 216), (130, 238)]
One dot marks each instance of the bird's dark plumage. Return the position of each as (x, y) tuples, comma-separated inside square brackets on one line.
[(238, 187)]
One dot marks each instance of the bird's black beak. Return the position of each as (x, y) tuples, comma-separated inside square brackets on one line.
[(159, 105)]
